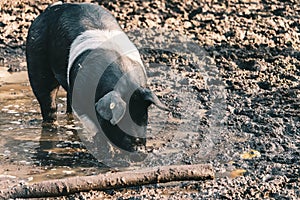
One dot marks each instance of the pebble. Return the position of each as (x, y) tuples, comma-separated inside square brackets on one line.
[(253, 46)]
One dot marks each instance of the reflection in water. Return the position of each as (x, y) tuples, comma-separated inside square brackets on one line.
[(58, 152), (62, 147)]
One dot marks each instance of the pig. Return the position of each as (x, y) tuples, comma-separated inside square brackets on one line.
[(58, 42)]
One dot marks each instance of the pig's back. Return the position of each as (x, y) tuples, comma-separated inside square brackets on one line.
[(59, 25), (73, 19)]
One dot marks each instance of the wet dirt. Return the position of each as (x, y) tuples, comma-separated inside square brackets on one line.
[(255, 47), (29, 153)]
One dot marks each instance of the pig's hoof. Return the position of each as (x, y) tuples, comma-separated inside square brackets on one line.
[(50, 125), (70, 119)]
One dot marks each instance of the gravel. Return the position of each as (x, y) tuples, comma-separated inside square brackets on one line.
[(255, 46)]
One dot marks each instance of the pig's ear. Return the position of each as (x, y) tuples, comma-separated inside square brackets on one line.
[(152, 98), (111, 107)]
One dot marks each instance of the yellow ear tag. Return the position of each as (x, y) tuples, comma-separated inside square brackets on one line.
[(112, 106)]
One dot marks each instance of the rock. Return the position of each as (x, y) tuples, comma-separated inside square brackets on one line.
[(187, 24), (250, 65), (264, 85)]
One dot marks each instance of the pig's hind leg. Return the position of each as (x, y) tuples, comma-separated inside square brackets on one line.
[(41, 77), (45, 88)]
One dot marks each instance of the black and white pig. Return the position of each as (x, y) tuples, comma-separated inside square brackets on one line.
[(59, 42)]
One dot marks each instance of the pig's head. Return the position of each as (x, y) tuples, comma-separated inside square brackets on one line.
[(124, 119)]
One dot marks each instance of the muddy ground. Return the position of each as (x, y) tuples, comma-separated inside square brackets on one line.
[(255, 46)]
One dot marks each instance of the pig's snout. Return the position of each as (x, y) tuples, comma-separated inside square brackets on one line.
[(135, 143), (140, 141)]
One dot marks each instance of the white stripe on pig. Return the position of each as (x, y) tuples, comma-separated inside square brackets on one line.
[(105, 39)]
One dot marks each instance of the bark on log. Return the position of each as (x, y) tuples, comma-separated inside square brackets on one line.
[(62, 187)]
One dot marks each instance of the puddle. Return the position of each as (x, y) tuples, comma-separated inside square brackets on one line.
[(29, 153)]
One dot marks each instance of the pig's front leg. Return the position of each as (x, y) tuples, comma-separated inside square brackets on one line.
[(69, 111)]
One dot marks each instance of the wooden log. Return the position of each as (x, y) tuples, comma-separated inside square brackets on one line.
[(62, 187)]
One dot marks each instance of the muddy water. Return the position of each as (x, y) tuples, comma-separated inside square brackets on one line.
[(29, 153)]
